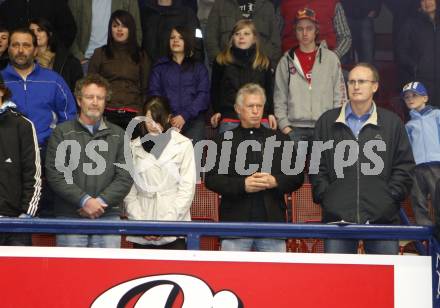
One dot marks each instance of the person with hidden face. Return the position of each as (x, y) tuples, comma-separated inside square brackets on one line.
[(164, 175)]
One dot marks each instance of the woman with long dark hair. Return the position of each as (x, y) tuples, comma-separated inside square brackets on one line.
[(165, 175), (125, 66), (241, 62), (185, 82), (54, 55)]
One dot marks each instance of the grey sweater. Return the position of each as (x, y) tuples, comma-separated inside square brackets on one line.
[(298, 103)]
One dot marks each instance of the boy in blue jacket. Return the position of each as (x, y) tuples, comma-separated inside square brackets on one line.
[(424, 134)]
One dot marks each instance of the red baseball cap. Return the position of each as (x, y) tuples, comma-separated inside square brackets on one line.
[(306, 13)]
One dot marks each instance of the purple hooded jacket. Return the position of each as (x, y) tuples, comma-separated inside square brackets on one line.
[(186, 86)]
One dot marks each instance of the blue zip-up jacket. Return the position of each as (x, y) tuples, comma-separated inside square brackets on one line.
[(186, 86), (424, 134), (43, 97)]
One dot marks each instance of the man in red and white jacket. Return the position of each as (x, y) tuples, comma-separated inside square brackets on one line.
[(333, 26)]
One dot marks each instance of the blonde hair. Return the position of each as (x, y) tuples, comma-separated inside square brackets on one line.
[(249, 89), (261, 61)]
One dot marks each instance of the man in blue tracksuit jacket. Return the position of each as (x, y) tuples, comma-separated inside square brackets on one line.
[(40, 94)]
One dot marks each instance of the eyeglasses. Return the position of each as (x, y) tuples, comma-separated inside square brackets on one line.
[(360, 82)]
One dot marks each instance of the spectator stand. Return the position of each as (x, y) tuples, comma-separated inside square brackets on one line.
[(304, 211), (205, 209)]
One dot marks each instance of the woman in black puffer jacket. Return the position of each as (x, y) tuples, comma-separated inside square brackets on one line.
[(240, 63)]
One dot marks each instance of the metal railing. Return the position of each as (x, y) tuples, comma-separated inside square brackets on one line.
[(195, 230)]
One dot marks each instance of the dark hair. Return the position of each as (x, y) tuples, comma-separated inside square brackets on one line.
[(46, 26), (25, 31), (93, 79), (3, 28), (7, 94), (160, 110), (127, 20), (188, 41)]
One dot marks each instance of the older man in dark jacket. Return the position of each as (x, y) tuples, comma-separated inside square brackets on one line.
[(368, 187), (255, 194)]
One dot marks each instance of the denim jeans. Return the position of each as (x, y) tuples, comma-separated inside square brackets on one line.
[(362, 34), (377, 247), (90, 240), (195, 129), (424, 185), (254, 244), (302, 134), (85, 67)]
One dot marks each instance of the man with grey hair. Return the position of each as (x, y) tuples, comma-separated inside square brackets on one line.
[(80, 165), (376, 167), (248, 173)]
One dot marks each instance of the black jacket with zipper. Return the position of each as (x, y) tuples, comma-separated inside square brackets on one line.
[(228, 79), (358, 197), (237, 204), (20, 166), (67, 66)]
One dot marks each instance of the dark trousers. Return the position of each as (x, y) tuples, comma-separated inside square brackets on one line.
[(302, 136), (15, 239), (362, 33), (195, 129), (425, 179), (46, 204)]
